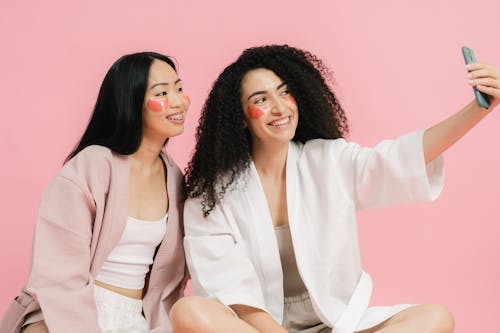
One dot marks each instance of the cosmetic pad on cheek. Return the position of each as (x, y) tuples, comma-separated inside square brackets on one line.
[(157, 105), (255, 112), (186, 99), (291, 99)]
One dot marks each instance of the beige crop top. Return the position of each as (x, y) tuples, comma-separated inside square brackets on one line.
[(292, 282)]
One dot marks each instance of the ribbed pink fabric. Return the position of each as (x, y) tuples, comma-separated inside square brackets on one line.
[(81, 217)]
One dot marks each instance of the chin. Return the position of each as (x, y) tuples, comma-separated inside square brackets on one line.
[(287, 136), (172, 135), (175, 132), (282, 139)]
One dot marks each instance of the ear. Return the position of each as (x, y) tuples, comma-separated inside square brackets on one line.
[(245, 125)]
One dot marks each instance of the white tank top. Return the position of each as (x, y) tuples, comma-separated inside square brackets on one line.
[(128, 263)]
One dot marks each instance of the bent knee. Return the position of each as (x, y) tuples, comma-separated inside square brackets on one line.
[(438, 319), (188, 315)]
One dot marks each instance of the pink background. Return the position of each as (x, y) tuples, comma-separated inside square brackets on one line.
[(398, 68)]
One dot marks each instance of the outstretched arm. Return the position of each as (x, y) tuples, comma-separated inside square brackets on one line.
[(445, 134)]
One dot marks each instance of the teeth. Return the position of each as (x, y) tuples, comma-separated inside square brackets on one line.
[(281, 122), (176, 117)]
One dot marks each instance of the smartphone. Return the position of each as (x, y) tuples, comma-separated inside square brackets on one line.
[(481, 98)]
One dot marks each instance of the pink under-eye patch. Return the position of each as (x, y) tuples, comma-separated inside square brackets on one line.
[(186, 99), (291, 99), (157, 105), (255, 112)]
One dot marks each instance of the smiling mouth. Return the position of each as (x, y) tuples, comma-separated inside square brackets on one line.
[(176, 117), (280, 122)]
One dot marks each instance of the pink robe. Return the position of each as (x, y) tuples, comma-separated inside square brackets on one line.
[(82, 215)]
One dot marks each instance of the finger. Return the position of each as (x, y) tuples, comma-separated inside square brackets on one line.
[(490, 91), (476, 65), (479, 73), (487, 82)]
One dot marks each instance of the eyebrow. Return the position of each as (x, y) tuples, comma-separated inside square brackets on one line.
[(281, 85), (263, 91), (164, 83)]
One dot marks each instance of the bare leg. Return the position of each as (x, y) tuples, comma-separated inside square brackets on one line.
[(196, 315), (428, 318), (38, 327)]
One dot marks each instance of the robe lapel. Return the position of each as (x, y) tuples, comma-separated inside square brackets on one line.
[(172, 241), (115, 213), (260, 218), (292, 183)]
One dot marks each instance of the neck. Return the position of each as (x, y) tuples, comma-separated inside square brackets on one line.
[(147, 156), (270, 160)]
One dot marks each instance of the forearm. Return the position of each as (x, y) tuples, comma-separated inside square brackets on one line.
[(445, 134), (257, 318)]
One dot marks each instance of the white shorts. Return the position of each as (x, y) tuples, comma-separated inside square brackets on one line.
[(299, 316), (115, 313), (118, 313)]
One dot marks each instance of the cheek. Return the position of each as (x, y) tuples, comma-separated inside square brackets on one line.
[(291, 100), (157, 105), (255, 112), (186, 99)]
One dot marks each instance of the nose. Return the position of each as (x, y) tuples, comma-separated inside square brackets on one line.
[(175, 100), (278, 106)]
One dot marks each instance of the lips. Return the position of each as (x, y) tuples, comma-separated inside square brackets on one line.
[(280, 122), (176, 117)]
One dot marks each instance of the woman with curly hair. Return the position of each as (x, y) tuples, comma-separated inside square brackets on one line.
[(107, 250), (272, 191)]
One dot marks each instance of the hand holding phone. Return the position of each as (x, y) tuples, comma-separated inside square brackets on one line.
[(481, 98)]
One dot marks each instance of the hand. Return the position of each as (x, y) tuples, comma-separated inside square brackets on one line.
[(486, 79)]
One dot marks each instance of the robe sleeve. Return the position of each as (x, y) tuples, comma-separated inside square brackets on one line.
[(393, 172), (60, 276), (220, 268)]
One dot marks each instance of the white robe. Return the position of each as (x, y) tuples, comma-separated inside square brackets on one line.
[(233, 255)]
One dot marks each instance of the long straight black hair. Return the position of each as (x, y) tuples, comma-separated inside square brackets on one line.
[(116, 122)]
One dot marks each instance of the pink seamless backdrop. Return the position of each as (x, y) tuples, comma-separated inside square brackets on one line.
[(397, 66)]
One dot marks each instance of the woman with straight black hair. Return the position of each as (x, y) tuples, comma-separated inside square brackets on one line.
[(107, 251)]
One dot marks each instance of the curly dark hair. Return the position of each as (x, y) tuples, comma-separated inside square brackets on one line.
[(223, 144)]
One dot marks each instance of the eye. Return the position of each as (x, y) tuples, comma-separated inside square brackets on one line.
[(260, 100), (179, 89), (163, 93), (285, 91)]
